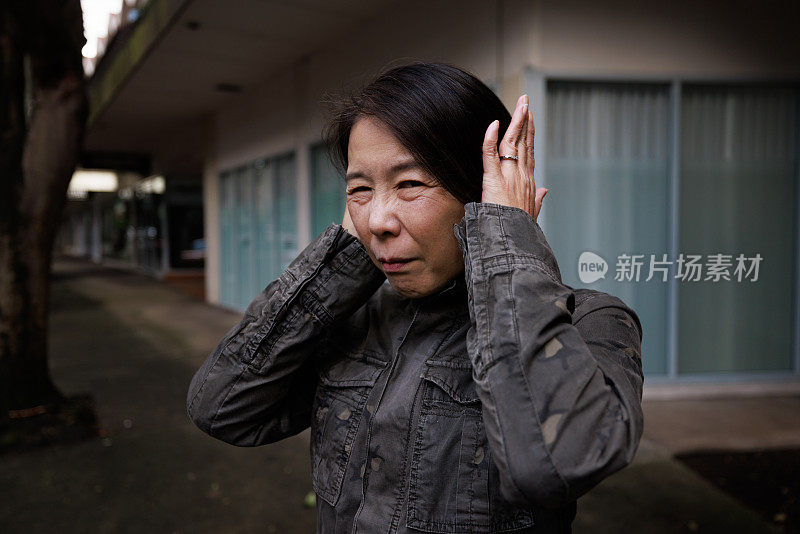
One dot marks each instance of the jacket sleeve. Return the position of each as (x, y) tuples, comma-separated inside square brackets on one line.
[(561, 395), (257, 386)]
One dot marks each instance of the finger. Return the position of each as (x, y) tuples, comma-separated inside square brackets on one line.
[(525, 175), (346, 217), (491, 160), (522, 152), (526, 161), (347, 222), (508, 146), (531, 131), (540, 193)]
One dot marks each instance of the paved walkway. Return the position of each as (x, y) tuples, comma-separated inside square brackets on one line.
[(134, 344)]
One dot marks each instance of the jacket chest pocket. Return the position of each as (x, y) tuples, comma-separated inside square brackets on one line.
[(337, 412), (454, 484)]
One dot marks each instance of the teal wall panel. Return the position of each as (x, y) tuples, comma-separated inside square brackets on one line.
[(610, 163), (608, 175), (327, 191), (738, 168), (258, 214)]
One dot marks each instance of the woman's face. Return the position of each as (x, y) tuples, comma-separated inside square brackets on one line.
[(402, 216)]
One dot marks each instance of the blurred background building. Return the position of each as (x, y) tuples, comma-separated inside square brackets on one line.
[(662, 128)]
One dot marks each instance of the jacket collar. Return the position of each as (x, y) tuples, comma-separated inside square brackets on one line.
[(453, 295)]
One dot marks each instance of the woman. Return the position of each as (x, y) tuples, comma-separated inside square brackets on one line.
[(451, 381)]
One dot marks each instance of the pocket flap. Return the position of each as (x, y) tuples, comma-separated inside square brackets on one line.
[(352, 370), (455, 380)]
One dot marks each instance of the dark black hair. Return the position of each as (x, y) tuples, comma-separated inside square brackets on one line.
[(437, 111)]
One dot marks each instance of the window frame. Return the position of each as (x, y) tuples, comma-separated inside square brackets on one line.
[(535, 83)]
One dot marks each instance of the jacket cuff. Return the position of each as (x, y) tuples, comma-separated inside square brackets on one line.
[(332, 277), (333, 255), (356, 277), (493, 236)]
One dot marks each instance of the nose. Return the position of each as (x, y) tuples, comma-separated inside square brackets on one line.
[(383, 217)]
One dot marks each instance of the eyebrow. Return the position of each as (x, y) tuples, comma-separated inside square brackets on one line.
[(394, 169)]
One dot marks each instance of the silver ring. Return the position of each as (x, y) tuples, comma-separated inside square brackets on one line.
[(515, 158)]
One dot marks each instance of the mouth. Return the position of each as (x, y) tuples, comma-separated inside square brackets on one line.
[(393, 265)]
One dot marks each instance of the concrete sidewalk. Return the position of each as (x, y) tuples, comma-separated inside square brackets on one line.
[(134, 344)]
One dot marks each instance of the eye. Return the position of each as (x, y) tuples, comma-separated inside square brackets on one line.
[(357, 189), (410, 183)]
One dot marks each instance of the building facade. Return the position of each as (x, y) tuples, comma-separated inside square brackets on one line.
[(666, 133)]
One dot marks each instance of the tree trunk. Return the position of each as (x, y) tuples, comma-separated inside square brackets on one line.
[(37, 158)]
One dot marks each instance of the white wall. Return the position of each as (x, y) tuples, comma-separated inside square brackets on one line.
[(211, 227), (681, 37)]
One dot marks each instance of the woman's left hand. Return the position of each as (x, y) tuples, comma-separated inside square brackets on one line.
[(507, 181)]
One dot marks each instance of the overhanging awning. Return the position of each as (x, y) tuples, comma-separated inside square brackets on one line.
[(185, 58)]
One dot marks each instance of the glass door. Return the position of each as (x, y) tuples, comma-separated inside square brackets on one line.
[(608, 175)]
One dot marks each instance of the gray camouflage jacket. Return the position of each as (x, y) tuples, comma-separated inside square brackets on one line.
[(490, 406)]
